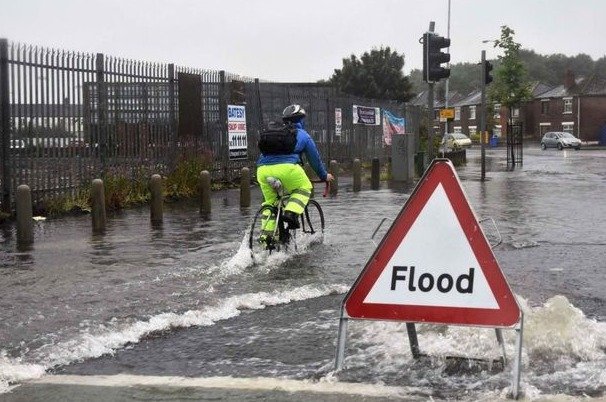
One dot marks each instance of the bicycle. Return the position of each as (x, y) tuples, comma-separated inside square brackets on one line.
[(311, 223)]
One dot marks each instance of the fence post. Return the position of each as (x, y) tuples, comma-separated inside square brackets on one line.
[(156, 199), (328, 128), (205, 192), (98, 209), (172, 118), (102, 110), (258, 91), (334, 169), (245, 188), (224, 140), (5, 127), (25, 234), (375, 174), (357, 175)]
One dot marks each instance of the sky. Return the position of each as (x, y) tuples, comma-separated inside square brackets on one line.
[(298, 41)]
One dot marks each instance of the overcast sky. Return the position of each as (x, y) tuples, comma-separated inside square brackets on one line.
[(298, 41)]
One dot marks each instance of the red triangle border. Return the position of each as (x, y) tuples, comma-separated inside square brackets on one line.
[(508, 314)]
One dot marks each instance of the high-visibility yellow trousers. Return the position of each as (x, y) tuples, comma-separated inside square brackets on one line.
[(294, 182)]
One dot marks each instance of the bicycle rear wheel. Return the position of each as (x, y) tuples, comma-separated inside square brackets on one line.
[(258, 247), (312, 222)]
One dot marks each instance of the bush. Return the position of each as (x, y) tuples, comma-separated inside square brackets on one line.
[(183, 181)]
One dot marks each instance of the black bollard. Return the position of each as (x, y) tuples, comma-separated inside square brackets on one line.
[(156, 211), (205, 192), (357, 175), (98, 213), (375, 175), (23, 199)]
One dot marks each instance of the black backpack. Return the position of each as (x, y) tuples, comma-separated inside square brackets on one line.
[(278, 139)]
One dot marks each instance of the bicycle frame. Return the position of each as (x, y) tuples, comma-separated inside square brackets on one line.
[(281, 234)]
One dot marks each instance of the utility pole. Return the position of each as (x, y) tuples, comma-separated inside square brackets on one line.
[(486, 79), (483, 114), (430, 112), (446, 131)]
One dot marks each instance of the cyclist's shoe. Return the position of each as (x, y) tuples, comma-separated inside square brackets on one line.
[(292, 219), (267, 241), (285, 237)]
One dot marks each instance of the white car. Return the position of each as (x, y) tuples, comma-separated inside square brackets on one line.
[(456, 141)]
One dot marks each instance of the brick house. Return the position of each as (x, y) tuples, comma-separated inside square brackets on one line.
[(524, 114), (467, 114), (578, 106)]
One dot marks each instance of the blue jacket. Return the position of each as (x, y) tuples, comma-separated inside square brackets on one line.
[(306, 145)]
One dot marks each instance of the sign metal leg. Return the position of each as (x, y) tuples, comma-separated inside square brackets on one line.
[(412, 339), (499, 333), (517, 366), (341, 341)]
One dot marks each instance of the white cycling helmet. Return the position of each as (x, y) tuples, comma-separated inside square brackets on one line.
[(293, 112)]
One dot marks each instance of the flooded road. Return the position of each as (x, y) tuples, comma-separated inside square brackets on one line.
[(186, 300)]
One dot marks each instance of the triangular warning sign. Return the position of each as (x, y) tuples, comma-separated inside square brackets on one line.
[(434, 264)]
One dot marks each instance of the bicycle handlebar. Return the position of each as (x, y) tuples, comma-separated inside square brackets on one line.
[(326, 188)]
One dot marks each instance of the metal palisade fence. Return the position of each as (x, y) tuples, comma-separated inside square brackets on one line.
[(69, 117)]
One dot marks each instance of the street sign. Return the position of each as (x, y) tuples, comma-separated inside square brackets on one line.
[(447, 113), (434, 264)]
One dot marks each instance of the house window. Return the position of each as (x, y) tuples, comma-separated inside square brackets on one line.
[(568, 126), (544, 127), (472, 112), (457, 113), (458, 130), (567, 105), (545, 107), (515, 112), (473, 130), (497, 111)]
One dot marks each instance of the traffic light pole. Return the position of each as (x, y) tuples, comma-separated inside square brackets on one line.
[(483, 115), (433, 72), (430, 118)]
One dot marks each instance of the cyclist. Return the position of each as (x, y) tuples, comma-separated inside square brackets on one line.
[(285, 165)]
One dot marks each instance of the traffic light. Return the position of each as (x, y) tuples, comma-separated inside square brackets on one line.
[(433, 57), (487, 70)]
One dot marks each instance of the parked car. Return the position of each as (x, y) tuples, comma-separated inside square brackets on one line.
[(456, 141), (560, 140)]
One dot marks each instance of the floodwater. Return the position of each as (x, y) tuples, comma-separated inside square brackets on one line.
[(185, 300)]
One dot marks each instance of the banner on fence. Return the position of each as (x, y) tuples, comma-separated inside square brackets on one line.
[(236, 132), (392, 125), (370, 116), (338, 121)]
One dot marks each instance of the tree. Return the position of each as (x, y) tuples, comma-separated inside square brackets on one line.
[(378, 74), (599, 67), (510, 87)]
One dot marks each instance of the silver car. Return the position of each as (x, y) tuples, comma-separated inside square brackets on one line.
[(560, 140)]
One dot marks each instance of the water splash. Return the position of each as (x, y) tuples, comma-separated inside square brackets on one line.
[(108, 339), (564, 352)]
